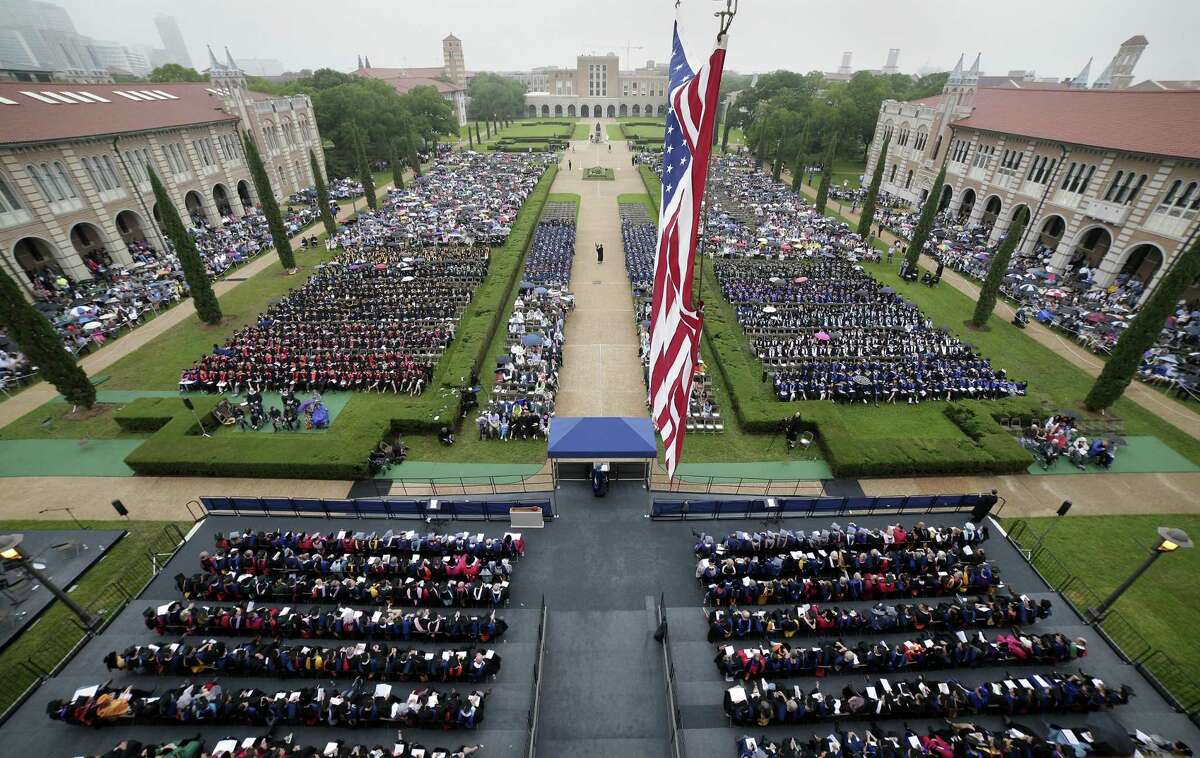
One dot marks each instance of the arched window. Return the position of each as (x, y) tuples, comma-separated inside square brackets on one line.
[(1188, 195), (1137, 188), (43, 185), (62, 181), (8, 198), (908, 182), (937, 147), (1114, 187), (1172, 192), (892, 176)]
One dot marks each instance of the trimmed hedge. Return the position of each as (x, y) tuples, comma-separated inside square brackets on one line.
[(177, 448), (982, 446)]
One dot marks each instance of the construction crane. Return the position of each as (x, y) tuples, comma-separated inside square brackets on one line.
[(629, 48)]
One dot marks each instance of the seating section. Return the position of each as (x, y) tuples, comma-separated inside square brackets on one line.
[(355, 653), (379, 315), (815, 506), (273, 747), (526, 375), (823, 327), (639, 235)]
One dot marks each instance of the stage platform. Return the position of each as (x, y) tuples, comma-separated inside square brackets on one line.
[(602, 567)]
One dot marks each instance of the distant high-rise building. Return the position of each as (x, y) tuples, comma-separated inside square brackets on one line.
[(893, 59), (845, 67), (172, 39)]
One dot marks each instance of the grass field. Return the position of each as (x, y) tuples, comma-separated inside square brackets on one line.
[(846, 171), (1103, 550), (614, 132), (56, 632), (581, 131), (641, 198), (47, 422)]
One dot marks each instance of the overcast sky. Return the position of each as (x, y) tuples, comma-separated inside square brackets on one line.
[(1053, 37)]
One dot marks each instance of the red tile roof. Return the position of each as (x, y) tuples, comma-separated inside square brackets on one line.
[(1159, 123), (405, 79), (932, 101), (32, 120)]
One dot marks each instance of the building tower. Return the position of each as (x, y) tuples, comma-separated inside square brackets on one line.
[(958, 96), (452, 60), (172, 41), (845, 67), (1081, 80), (893, 59), (1126, 58)]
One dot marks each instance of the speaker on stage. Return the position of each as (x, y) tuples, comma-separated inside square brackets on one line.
[(120, 508), (986, 502)]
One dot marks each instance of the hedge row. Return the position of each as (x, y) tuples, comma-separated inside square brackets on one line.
[(984, 446), (177, 448)]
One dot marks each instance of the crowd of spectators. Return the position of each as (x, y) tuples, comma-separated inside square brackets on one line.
[(823, 326), (526, 376), (281, 747), (1070, 301), (378, 316)]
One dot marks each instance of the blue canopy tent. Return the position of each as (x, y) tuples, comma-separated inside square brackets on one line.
[(627, 444)]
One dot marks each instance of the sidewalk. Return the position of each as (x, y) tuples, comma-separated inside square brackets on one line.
[(1149, 399), (164, 498), (38, 395), (601, 374)]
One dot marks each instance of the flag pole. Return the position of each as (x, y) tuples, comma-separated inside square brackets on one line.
[(726, 16)]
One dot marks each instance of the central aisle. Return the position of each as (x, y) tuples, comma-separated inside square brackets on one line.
[(601, 373)]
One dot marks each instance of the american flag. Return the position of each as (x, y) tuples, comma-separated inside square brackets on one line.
[(675, 322)]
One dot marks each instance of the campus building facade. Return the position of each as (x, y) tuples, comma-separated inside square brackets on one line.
[(596, 88), (451, 79), (1108, 177), (73, 162)]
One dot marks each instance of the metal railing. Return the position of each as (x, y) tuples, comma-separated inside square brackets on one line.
[(780, 507), (430, 509), (674, 721), (47, 661), (1165, 674), (535, 704), (736, 485), (494, 484)]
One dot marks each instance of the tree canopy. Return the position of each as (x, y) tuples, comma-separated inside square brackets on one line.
[(781, 104), (493, 95), (173, 72), (383, 114)]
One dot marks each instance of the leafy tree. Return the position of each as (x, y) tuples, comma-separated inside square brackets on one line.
[(925, 224), (996, 271), (203, 297), (266, 200), (868, 210), (1143, 331), (42, 345), (826, 174), (327, 219), (798, 165), (493, 95), (173, 72), (397, 161), (363, 165)]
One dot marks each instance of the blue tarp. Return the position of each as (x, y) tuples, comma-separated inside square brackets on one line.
[(602, 438)]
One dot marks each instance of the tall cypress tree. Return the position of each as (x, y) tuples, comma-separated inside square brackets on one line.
[(359, 146), (996, 271), (798, 170), (42, 345), (921, 233), (826, 173), (327, 219), (266, 199), (203, 297), (868, 210), (1143, 331), (397, 159)]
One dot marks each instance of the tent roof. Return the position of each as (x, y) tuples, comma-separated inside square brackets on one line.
[(602, 438)]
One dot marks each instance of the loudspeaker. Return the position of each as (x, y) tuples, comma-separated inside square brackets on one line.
[(120, 508), (1066, 506), (984, 506), (187, 403)]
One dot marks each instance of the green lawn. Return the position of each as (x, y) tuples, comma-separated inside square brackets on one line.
[(1103, 550), (582, 130), (614, 132), (125, 567), (642, 131), (34, 426), (848, 172)]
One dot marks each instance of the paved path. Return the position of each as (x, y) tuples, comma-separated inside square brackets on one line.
[(39, 394), (1149, 399), (601, 374)]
